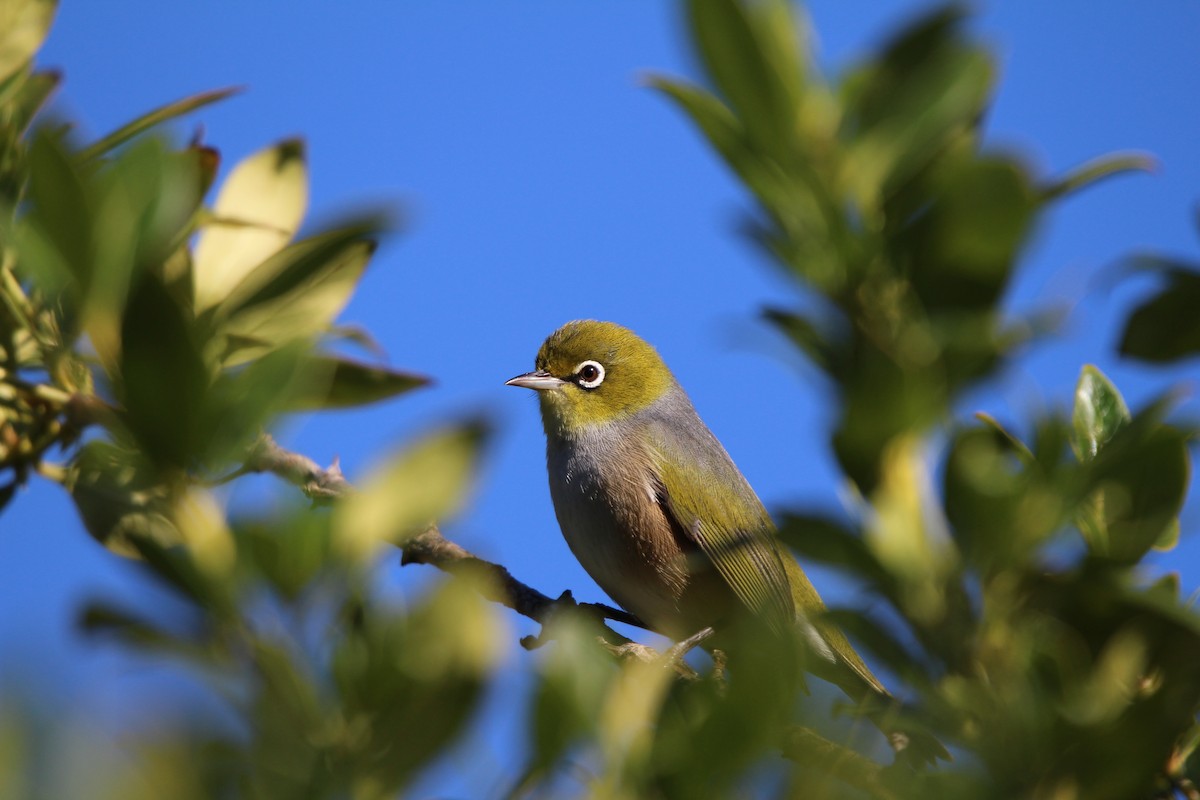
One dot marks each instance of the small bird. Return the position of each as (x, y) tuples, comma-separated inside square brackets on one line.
[(658, 514)]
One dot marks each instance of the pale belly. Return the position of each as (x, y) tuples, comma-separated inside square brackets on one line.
[(622, 537)]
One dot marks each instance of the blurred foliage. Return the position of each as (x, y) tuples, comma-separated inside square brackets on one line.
[(148, 334)]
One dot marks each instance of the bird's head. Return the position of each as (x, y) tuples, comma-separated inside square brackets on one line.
[(590, 373)]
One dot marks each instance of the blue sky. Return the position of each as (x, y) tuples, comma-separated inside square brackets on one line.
[(541, 182)]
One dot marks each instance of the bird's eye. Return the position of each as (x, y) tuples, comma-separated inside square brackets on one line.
[(589, 374)]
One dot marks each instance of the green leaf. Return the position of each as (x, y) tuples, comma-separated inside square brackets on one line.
[(258, 210), (297, 293), (55, 236), (149, 120), (407, 685), (289, 550), (1010, 440), (749, 51), (164, 382), (418, 486), (1169, 538), (23, 27), (1099, 413), (1166, 327), (88, 233), (34, 93), (960, 254), (906, 108), (1139, 482), (116, 499), (339, 382), (1098, 170), (99, 618), (1000, 504), (244, 400), (573, 681)]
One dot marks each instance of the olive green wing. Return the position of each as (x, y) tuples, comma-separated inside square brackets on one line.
[(712, 506), (850, 672)]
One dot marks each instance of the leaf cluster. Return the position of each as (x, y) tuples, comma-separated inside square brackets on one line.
[(154, 322), (1010, 597)]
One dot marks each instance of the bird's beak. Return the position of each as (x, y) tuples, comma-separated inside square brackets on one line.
[(540, 380)]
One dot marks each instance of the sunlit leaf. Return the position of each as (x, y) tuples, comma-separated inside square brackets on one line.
[(903, 533), (1112, 684), (358, 335), (1099, 413), (719, 125), (200, 520), (264, 199), (23, 27), (419, 485), (297, 293), (1169, 538)]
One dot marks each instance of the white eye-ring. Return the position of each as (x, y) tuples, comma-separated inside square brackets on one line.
[(589, 374)]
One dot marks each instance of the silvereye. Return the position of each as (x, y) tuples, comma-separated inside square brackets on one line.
[(658, 514)]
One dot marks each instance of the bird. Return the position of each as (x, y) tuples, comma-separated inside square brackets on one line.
[(657, 513)]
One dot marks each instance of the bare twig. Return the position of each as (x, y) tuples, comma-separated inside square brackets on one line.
[(322, 485)]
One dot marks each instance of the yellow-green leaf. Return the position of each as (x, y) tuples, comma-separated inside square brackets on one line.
[(258, 210), (297, 293), (418, 486), (23, 27)]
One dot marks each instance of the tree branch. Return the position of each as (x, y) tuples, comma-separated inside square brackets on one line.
[(324, 485)]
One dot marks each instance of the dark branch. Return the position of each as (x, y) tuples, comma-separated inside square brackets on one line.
[(430, 547)]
